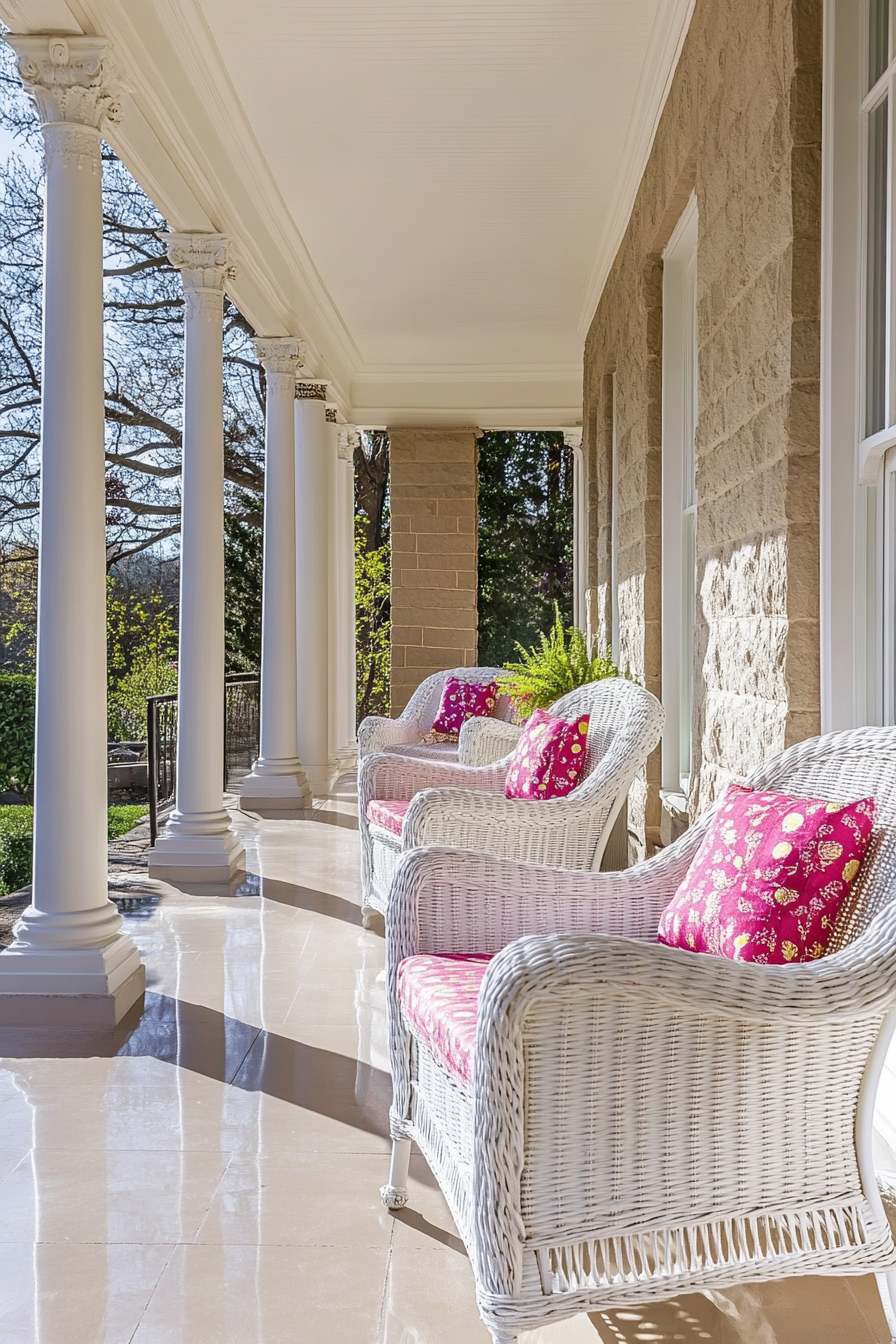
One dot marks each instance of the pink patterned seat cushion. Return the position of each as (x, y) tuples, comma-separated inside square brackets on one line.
[(388, 813), (767, 883), (439, 998), (547, 760), (462, 700)]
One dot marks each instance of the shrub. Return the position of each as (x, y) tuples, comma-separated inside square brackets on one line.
[(16, 731), (16, 825), (16, 840), (560, 664)]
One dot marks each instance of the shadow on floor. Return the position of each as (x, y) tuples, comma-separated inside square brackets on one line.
[(345, 820), (228, 1051), (307, 898)]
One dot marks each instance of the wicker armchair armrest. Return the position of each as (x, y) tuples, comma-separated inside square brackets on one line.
[(485, 741), (847, 986), (451, 815), (376, 733), (452, 900), (389, 775)]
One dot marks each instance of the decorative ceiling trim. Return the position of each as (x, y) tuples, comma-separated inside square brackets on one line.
[(670, 28)]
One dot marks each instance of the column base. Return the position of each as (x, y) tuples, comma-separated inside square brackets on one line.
[(85, 987), (319, 778), (181, 856), (287, 795)]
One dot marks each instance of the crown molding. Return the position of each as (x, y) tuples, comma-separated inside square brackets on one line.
[(670, 29)]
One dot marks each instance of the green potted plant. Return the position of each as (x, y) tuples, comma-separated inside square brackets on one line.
[(559, 664)]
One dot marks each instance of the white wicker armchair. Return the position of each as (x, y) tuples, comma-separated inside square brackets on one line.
[(403, 734), (454, 804), (643, 1121)]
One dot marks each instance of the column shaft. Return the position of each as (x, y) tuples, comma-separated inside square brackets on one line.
[(344, 606), (70, 963), (311, 584), (198, 843), (277, 782)]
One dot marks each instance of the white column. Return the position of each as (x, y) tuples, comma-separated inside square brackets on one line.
[(312, 549), (277, 782), (71, 964), (573, 439), (198, 843), (344, 605)]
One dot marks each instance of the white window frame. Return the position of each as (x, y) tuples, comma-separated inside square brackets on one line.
[(679, 497), (851, 559)]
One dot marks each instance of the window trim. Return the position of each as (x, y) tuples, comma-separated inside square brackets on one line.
[(679, 497)]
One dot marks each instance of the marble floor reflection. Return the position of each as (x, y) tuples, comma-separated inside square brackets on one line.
[(209, 1173)]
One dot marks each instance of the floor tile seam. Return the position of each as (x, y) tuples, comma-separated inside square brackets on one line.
[(384, 1297), (152, 1292)]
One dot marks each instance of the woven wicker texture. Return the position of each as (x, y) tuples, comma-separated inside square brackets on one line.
[(645, 1121), (454, 804), (379, 734)]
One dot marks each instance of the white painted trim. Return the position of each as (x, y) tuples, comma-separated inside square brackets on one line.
[(666, 41), (848, 571), (679, 375), (872, 452)]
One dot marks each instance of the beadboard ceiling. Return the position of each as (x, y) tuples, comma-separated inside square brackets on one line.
[(430, 191)]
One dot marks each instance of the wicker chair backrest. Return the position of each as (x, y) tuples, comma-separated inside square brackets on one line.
[(843, 767), (431, 688), (617, 708)]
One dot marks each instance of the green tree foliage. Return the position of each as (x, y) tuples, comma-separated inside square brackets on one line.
[(16, 732), (373, 600), (243, 555), (525, 539), (558, 664), (141, 633)]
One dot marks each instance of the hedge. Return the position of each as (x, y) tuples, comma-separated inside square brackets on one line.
[(16, 730), (16, 827)]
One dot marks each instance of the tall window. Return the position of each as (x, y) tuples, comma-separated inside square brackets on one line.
[(679, 589), (877, 450)]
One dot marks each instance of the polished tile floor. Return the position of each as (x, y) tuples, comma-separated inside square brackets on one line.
[(210, 1175)]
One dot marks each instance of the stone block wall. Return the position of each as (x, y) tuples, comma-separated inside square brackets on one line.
[(433, 501), (741, 128)]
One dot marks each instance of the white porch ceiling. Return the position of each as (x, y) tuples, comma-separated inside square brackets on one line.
[(429, 191)]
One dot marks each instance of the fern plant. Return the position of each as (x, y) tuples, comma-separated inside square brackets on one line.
[(559, 665)]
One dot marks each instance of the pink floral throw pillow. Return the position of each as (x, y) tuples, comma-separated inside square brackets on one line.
[(462, 700), (548, 758), (767, 883)]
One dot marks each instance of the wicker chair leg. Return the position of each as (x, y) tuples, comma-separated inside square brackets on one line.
[(395, 1194)]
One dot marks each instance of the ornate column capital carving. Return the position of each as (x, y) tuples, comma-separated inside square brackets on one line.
[(573, 437), (71, 80), (281, 354), (202, 259), (347, 441), (307, 390)]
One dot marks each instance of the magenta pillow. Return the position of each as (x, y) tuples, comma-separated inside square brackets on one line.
[(767, 883), (548, 758), (462, 700)]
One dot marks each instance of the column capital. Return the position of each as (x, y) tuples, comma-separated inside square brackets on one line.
[(281, 354), (573, 437), (347, 441), (310, 389), (202, 259), (71, 80)]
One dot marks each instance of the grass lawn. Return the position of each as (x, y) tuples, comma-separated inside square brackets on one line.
[(16, 826)]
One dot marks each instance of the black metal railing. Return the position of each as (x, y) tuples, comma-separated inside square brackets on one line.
[(241, 730)]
